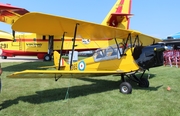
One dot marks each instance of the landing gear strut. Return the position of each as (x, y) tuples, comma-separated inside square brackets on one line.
[(143, 82), (126, 88)]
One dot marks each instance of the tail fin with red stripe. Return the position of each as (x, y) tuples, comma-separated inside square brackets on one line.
[(119, 15)]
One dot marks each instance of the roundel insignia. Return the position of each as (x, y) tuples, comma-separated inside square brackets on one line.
[(81, 65)]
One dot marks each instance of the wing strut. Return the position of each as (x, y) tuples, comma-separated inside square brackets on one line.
[(62, 44), (154, 41), (74, 39), (118, 46), (130, 42), (125, 44), (137, 38)]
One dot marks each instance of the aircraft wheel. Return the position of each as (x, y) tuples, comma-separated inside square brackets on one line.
[(4, 57), (47, 57), (125, 88), (144, 82)]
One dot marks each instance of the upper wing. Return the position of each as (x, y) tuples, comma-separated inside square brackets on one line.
[(4, 36), (51, 73), (9, 14), (55, 25)]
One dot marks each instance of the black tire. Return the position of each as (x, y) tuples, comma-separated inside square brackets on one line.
[(4, 57), (125, 88), (144, 82), (47, 57)]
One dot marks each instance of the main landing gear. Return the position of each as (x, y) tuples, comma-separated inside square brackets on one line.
[(126, 88)]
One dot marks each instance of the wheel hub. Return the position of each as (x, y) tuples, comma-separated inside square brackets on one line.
[(124, 89)]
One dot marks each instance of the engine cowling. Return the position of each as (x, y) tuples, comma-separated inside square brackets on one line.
[(148, 56)]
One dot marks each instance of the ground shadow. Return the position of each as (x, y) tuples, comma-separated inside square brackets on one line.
[(26, 66), (51, 95)]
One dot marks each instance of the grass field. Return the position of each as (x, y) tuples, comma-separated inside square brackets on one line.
[(93, 96)]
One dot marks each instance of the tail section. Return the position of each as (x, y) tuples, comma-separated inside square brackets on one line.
[(119, 15), (9, 14), (56, 60)]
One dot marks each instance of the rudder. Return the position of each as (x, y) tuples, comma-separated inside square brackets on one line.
[(56, 60), (119, 15)]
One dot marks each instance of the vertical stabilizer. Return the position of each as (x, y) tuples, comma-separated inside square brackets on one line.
[(56, 60), (119, 15)]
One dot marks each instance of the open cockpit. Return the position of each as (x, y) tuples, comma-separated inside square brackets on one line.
[(107, 53)]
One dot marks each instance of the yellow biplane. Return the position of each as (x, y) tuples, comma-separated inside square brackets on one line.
[(135, 51)]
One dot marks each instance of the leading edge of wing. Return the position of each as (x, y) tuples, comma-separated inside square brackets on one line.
[(46, 24), (146, 39), (51, 73)]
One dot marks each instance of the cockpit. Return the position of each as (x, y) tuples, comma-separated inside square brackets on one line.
[(108, 53)]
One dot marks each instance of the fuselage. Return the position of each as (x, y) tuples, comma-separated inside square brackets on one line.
[(30, 44), (114, 59)]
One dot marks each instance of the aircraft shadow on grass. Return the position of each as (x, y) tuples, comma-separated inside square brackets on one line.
[(51, 95), (26, 66)]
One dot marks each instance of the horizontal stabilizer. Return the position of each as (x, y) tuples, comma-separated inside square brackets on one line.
[(121, 14), (118, 18), (9, 14)]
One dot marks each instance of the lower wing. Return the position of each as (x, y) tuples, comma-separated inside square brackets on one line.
[(59, 73)]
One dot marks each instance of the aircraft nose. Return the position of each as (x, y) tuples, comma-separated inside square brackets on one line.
[(149, 56), (158, 58)]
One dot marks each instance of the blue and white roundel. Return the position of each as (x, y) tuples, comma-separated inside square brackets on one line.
[(81, 65)]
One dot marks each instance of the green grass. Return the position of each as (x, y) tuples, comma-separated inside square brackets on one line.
[(95, 96)]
